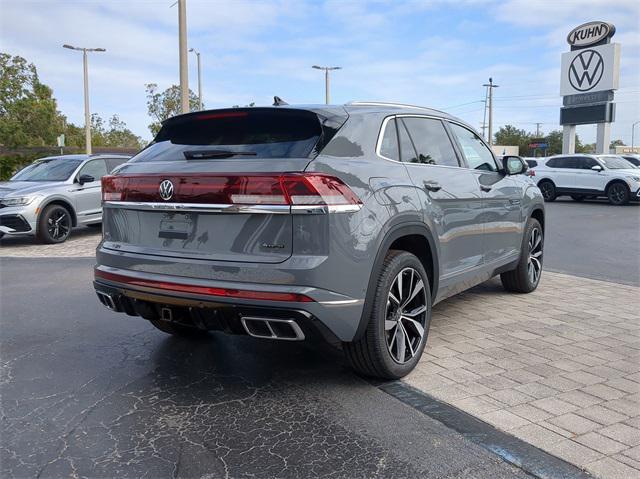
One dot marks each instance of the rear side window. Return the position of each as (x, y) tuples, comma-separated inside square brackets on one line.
[(431, 141), (478, 156), (563, 162), (239, 133), (389, 142), (532, 163)]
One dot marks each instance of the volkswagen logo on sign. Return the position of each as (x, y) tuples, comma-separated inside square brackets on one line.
[(586, 70), (166, 190)]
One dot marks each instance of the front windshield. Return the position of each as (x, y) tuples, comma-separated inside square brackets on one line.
[(616, 163), (55, 169)]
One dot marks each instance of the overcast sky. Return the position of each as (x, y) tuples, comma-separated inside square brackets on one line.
[(432, 53)]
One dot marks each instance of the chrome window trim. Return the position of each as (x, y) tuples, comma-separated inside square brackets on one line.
[(242, 209)]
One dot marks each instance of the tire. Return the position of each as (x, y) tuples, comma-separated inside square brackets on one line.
[(526, 276), (548, 190), (378, 353), (578, 198), (178, 329), (54, 224), (618, 194)]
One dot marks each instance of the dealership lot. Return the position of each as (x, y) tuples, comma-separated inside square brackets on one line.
[(87, 391)]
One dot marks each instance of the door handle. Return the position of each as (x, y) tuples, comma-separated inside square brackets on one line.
[(485, 188), (432, 186)]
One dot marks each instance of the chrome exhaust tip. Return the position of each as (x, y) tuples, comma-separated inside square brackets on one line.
[(270, 328), (107, 300)]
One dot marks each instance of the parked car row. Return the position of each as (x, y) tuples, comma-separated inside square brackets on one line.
[(54, 194), (583, 176)]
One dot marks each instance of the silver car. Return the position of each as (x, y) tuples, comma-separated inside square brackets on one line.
[(347, 222), (54, 194)]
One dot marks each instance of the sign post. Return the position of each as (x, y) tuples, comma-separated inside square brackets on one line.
[(589, 75)]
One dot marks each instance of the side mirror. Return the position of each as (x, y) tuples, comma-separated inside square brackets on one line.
[(514, 165), (86, 179), (597, 168)]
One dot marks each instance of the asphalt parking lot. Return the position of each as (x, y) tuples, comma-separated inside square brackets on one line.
[(89, 393), (594, 239)]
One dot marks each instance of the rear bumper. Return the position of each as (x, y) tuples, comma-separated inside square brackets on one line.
[(221, 305)]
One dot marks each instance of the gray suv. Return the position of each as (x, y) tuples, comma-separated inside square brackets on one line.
[(54, 194), (344, 222)]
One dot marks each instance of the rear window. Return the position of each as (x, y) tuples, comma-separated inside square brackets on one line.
[(241, 133)]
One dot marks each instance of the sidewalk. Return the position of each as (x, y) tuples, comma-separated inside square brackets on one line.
[(558, 368)]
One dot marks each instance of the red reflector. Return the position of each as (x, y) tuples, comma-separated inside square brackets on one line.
[(252, 189), (185, 288)]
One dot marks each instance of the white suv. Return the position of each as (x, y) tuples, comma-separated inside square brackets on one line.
[(588, 176)]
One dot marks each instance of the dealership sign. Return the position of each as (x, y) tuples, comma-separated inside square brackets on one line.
[(589, 75), (590, 33), (590, 70)]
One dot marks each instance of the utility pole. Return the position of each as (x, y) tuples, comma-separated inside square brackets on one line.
[(490, 86), (484, 118), (327, 95), (182, 46), (199, 78), (483, 127), (87, 112), (538, 130)]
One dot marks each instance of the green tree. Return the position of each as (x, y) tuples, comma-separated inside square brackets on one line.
[(165, 104), (28, 111), (615, 143), (510, 135), (112, 134), (554, 140)]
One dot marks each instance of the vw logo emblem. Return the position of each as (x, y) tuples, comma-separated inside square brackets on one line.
[(166, 190), (586, 70)]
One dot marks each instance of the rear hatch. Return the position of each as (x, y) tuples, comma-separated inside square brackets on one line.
[(219, 185)]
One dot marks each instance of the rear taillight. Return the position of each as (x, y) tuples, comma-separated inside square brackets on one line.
[(530, 173), (112, 188), (293, 189)]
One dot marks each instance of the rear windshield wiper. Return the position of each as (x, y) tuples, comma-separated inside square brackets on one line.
[(207, 154)]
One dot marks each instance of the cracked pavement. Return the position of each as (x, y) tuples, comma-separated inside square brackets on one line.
[(89, 393)]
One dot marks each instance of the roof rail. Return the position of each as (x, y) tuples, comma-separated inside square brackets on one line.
[(383, 103)]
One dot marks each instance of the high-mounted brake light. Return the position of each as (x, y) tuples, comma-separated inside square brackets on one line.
[(292, 189), (214, 116)]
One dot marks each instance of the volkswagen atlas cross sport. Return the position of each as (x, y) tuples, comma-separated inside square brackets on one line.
[(54, 194), (347, 222)]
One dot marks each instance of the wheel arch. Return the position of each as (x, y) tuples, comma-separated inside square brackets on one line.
[(414, 238), (61, 202), (613, 181), (538, 214)]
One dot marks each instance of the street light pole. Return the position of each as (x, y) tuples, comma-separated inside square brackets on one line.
[(327, 93), (633, 130), (182, 46), (490, 86), (199, 78), (87, 112)]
